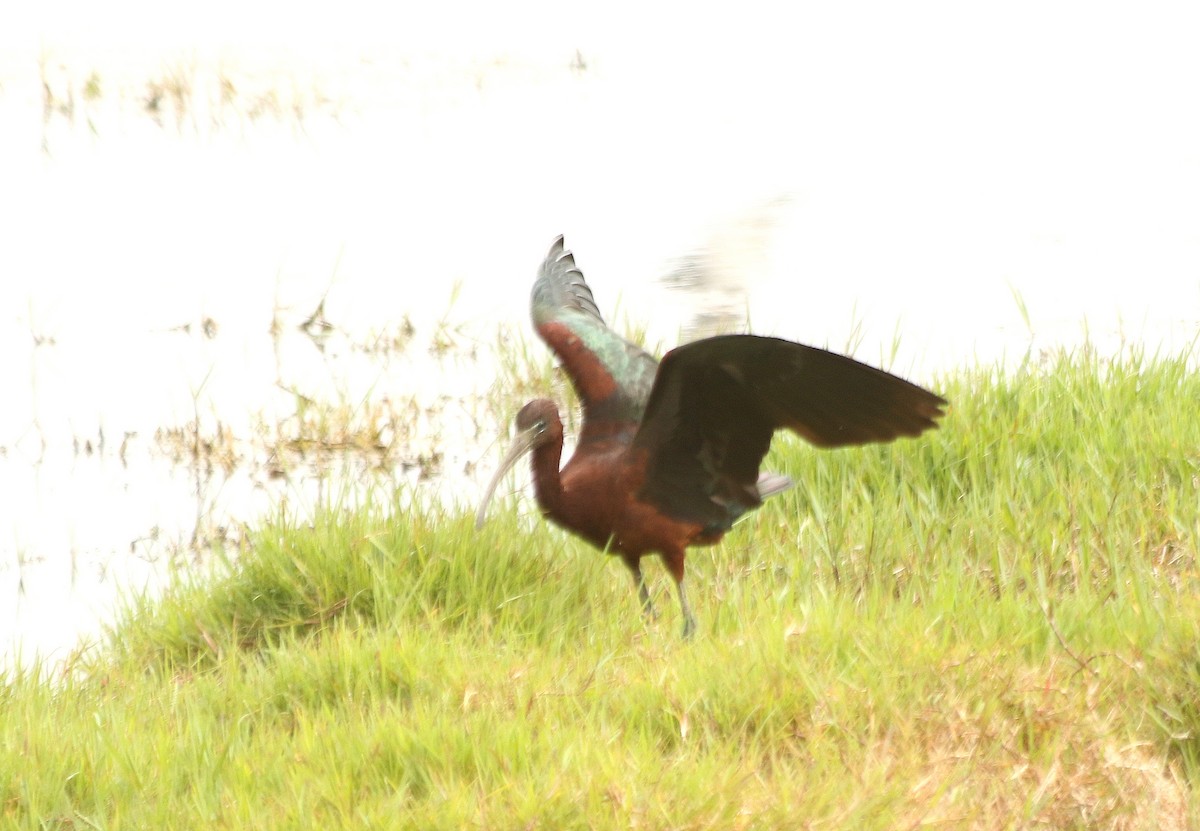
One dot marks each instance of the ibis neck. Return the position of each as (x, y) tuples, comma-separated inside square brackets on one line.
[(547, 486)]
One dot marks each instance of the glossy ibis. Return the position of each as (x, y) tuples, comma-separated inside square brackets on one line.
[(668, 454)]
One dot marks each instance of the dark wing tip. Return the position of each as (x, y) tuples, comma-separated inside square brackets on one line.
[(845, 402), (560, 285)]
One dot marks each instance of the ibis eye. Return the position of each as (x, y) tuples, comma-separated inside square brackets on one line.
[(541, 425)]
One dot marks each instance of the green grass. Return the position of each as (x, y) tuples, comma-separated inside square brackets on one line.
[(995, 626)]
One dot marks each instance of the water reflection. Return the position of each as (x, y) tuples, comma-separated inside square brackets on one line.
[(111, 498)]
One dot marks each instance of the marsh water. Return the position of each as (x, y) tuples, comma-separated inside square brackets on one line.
[(240, 272)]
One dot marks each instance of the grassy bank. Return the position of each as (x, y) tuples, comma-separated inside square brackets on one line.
[(995, 626)]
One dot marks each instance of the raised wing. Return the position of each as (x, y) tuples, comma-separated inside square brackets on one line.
[(612, 376), (717, 402)]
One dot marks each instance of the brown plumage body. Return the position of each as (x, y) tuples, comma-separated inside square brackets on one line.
[(669, 454), (595, 496)]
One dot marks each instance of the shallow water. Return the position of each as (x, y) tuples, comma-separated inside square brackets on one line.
[(175, 216)]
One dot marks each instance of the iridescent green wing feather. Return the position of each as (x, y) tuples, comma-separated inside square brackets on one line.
[(612, 376)]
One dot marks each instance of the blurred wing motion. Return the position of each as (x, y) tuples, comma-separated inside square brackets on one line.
[(612, 376), (716, 403)]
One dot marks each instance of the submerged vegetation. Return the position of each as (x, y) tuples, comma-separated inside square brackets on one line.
[(995, 626)]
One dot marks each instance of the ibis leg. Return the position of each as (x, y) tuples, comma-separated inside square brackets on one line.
[(674, 561), (689, 620), (635, 566)]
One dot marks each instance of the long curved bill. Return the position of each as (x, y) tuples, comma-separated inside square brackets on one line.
[(521, 445)]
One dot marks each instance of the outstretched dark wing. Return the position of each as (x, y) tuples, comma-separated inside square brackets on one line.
[(611, 375), (716, 403)]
